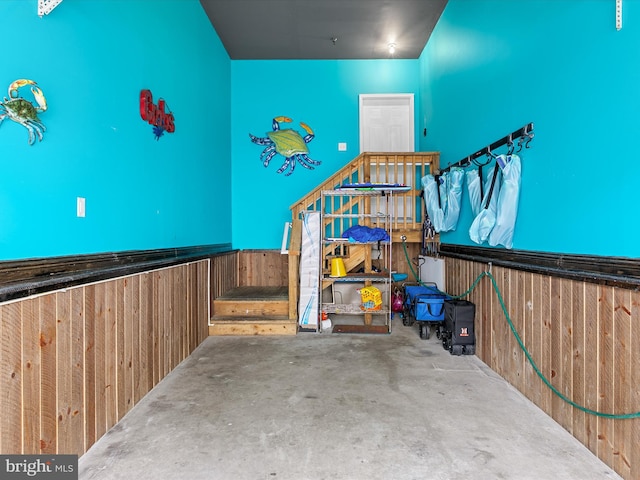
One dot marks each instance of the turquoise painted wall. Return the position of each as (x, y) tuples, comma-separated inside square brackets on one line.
[(324, 95), (91, 59), (491, 66)]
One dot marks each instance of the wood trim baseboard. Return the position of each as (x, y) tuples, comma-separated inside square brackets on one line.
[(614, 271), (23, 278)]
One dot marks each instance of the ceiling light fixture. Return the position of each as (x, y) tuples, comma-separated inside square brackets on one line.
[(392, 48)]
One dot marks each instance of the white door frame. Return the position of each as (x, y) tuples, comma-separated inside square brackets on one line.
[(393, 99)]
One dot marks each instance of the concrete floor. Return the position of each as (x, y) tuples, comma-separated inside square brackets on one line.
[(336, 406)]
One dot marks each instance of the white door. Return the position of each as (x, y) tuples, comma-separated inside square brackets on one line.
[(386, 123)]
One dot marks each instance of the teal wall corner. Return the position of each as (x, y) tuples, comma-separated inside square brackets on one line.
[(320, 93), (91, 60), (488, 70)]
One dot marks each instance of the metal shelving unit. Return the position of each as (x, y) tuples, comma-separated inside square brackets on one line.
[(367, 263)]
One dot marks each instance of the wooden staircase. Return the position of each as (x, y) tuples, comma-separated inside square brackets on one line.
[(252, 311), (269, 310), (407, 214)]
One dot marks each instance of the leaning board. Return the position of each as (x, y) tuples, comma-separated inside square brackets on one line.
[(309, 271)]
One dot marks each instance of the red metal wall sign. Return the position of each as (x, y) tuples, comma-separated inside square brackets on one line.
[(155, 114)]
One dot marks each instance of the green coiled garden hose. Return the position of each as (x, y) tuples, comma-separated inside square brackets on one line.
[(524, 349)]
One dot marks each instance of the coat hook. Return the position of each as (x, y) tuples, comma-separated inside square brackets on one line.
[(510, 146), (529, 138)]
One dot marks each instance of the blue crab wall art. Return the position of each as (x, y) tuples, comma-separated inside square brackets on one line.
[(23, 111), (288, 143)]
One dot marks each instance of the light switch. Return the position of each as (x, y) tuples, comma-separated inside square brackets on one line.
[(80, 207), (342, 147)]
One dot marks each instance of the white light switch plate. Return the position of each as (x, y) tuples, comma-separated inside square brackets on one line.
[(342, 147), (80, 207)]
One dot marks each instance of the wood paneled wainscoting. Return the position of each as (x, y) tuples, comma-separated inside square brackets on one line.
[(74, 360), (579, 318), (264, 268)]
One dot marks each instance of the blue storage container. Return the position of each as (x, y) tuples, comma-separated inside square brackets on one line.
[(425, 304)]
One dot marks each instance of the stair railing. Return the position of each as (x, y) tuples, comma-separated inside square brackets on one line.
[(405, 168)]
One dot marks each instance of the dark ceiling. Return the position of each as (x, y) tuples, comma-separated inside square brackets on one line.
[(323, 29)]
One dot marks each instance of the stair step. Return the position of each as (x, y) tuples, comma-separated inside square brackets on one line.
[(253, 302), (250, 308), (252, 325)]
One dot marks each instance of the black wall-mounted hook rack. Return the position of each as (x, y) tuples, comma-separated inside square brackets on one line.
[(523, 132)]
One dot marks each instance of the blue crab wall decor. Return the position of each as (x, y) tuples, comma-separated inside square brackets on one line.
[(23, 111), (288, 143)]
